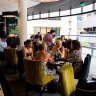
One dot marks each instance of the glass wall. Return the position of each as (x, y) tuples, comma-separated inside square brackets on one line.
[(78, 26)]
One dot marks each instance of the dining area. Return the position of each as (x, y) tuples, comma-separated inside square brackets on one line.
[(43, 68)]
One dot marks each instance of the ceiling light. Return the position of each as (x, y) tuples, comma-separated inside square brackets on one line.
[(45, 0), (10, 14)]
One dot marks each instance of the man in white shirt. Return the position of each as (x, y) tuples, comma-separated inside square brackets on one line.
[(3, 44)]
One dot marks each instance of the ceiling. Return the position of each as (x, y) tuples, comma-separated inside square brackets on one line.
[(12, 5), (56, 6), (37, 7)]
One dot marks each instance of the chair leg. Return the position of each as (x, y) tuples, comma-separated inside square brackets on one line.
[(40, 90), (27, 89)]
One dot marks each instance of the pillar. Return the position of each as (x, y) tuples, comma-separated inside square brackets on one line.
[(22, 20)]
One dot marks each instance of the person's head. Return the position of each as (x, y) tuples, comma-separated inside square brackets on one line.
[(52, 31), (75, 44), (28, 43), (42, 46), (4, 38), (38, 42), (32, 37), (58, 43), (62, 37), (38, 33)]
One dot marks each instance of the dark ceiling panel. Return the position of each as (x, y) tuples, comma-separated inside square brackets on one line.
[(56, 6)]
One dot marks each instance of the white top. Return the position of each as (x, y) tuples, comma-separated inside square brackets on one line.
[(2, 45)]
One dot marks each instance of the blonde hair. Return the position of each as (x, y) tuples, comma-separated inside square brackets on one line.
[(58, 41)]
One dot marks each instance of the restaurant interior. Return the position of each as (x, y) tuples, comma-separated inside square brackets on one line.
[(47, 48)]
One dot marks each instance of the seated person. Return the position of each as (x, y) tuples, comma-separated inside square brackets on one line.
[(44, 56), (63, 40), (3, 44), (59, 51), (27, 50), (74, 55)]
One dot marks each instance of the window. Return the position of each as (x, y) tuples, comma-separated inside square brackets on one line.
[(88, 8), (29, 17), (67, 12), (76, 11), (44, 15), (36, 16), (95, 5), (53, 14)]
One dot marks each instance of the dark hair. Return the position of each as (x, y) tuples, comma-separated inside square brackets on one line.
[(62, 36), (76, 44), (68, 44), (4, 36), (27, 42), (41, 46), (52, 31)]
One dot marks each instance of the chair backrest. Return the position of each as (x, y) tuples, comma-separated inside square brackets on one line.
[(10, 56), (67, 80), (86, 67), (34, 73), (20, 56)]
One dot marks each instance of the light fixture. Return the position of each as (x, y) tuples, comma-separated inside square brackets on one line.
[(10, 14), (45, 0)]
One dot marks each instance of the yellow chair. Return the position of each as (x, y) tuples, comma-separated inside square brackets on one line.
[(67, 84), (35, 74), (11, 59)]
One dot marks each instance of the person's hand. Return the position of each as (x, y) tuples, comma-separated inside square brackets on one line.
[(58, 50)]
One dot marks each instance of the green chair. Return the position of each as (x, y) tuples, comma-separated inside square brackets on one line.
[(67, 83), (11, 59), (35, 74)]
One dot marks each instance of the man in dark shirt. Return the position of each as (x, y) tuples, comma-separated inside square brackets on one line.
[(38, 36)]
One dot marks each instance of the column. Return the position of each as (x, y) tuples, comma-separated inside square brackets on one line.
[(22, 20)]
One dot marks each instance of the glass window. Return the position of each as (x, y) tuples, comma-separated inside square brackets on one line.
[(88, 8), (67, 12), (29, 17), (44, 15), (36, 16), (86, 50), (94, 53), (95, 5), (36, 30), (53, 14), (76, 11)]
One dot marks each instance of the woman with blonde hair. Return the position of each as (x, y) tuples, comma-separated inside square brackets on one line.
[(59, 50)]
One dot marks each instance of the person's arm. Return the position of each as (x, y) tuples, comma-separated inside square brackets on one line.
[(61, 52), (53, 49), (32, 54), (51, 39), (24, 53), (50, 59)]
